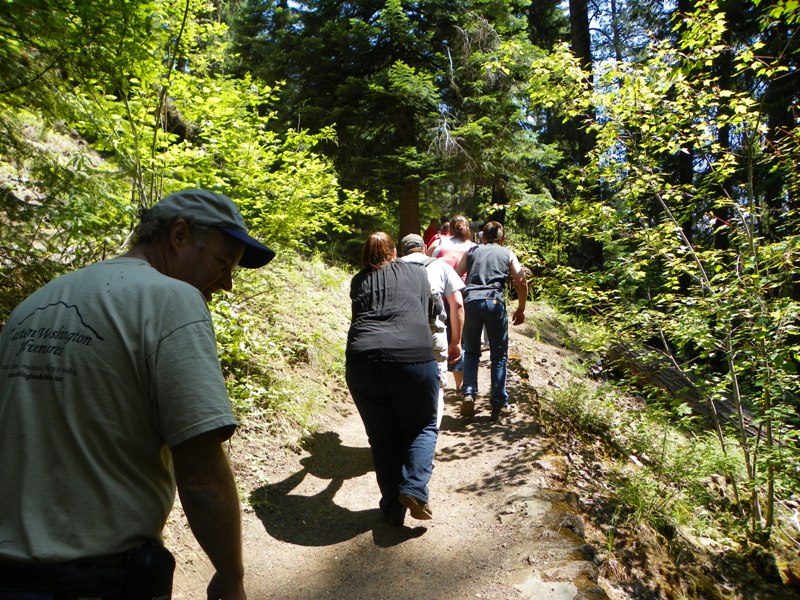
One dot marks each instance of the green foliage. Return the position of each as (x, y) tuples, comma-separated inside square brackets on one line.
[(368, 70), (59, 207), (143, 83), (427, 99), (213, 132), (689, 264), (579, 409), (683, 484), (280, 342), (287, 192), (415, 88), (664, 476), (494, 157)]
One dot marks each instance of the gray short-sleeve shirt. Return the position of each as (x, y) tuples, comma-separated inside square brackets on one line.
[(101, 371)]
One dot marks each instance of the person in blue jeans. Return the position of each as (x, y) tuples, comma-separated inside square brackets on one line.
[(488, 266), (393, 377)]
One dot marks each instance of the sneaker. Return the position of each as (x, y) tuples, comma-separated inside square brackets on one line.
[(468, 406), (418, 509), (507, 410)]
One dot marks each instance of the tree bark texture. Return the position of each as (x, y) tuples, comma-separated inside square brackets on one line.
[(409, 207)]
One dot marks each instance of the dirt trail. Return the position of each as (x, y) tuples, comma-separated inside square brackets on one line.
[(502, 528)]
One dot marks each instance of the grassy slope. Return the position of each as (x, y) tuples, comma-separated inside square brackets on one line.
[(282, 338)]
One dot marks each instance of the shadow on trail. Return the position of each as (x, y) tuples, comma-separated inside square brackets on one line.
[(480, 434), (316, 520)]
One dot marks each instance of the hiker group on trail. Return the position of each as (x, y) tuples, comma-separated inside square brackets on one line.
[(399, 333), (113, 397)]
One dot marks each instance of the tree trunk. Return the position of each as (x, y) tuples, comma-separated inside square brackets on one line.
[(409, 207), (579, 29), (404, 120), (586, 253), (582, 48), (780, 202)]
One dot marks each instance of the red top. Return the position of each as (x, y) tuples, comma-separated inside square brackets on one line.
[(431, 231)]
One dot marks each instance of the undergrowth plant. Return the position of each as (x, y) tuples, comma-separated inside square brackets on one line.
[(700, 270), (281, 342), (662, 474)]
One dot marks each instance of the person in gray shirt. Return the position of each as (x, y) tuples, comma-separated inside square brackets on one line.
[(112, 399)]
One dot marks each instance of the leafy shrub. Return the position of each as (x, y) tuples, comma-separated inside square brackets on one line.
[(580, 409)]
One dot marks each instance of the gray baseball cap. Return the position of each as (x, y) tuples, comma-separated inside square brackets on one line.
[(216, 210), (411, 241)]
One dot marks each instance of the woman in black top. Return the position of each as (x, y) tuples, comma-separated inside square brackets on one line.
[(392, 375)]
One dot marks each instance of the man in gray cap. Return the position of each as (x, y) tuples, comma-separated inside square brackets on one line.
[(113, 398), (446, 284)]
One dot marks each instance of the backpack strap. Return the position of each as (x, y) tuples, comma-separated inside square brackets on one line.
[(429, 260), (435, 301)]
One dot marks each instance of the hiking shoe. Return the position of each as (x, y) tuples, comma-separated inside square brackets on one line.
[(416, 508), (468, 406), (507, 410)]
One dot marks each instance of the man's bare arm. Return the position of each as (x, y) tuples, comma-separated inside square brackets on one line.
[(456, 302), (211, 502), (521, 285)]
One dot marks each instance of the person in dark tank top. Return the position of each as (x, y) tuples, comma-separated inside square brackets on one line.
[(487, 267)]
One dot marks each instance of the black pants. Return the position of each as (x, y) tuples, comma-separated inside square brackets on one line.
[(145, 573), (62, 582)]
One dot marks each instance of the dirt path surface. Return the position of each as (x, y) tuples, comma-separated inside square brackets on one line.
[(502, 527)]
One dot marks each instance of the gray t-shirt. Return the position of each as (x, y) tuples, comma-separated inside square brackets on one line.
[(102, 370), (488, 269)]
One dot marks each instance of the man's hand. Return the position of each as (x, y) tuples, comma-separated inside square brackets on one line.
[(453, 353), (220, 590), (519, 317)]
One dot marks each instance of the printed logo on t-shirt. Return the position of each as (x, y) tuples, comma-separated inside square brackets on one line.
[(30, 340)]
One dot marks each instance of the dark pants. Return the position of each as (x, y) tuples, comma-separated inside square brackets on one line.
[(398, 404), (144, 573), (62, 582), (489, 314)]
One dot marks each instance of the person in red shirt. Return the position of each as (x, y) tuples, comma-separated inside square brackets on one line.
[(432, 230), (444, 232)]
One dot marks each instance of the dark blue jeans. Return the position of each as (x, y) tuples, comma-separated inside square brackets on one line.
[(398, 404), (491, 314)]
